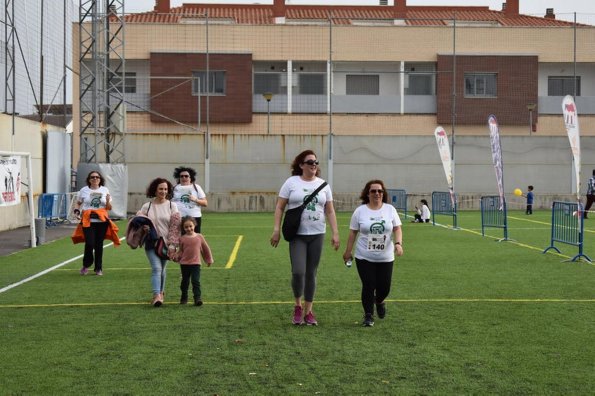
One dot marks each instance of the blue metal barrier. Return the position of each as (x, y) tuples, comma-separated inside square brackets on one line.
[(398, 199), (568, 227), (53, 208), (442, 204), (493, 214)]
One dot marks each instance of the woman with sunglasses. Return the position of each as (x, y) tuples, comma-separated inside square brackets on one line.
[(189, 196), (306, 248), (380, 239), (91, 206)]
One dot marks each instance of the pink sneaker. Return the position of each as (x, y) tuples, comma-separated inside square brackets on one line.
[(84, 270), (297, 315), (310, 319)]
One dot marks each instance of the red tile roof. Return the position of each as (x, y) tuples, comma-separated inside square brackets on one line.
[(262, 14)]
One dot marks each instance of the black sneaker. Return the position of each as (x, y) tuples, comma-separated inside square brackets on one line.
[(184, 300), (368, 320), (381, 310), (197, 302)]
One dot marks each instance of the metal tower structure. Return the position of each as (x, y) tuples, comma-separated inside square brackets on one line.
[(102, 81), (9, 56)]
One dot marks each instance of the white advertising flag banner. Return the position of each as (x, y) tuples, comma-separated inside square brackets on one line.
[(444, 150), (572, 129), (497, 155), (10, 180)]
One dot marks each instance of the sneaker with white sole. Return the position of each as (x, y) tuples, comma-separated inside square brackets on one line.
[(297, 315), (99, 273), (84, 271), (368, 320), (310, 319)]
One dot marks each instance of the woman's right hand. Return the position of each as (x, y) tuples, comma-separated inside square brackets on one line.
[(275, 238)]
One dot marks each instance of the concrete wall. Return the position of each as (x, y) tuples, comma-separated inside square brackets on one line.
[(246, 171)]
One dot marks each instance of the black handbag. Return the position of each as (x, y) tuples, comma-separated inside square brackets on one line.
[(293, 217)]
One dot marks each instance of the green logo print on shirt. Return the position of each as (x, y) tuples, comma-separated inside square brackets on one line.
[(377, 228)]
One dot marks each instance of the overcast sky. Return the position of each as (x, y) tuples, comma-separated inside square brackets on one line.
[(585, 9)]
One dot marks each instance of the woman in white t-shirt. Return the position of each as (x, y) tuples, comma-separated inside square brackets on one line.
[(306, 248), (189, 196), (380, 238), (166, 218), (94, 199), (423, 215)]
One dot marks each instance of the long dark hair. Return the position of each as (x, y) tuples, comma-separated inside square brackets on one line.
[(152, 189), (365, 195), (296, 170)]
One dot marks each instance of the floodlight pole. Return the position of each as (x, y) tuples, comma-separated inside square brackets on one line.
[(268, 96)]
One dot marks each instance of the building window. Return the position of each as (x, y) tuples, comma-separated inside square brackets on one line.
[(362, 84), (129, 82), (420, 84), (267, 82), (563, 85), (312, 84), (216, 82), (481, 85)]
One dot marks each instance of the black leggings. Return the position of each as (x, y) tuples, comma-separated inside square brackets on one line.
[(94, 236), (376, 280)]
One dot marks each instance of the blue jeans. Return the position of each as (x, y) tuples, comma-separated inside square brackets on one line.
[(157, 271)]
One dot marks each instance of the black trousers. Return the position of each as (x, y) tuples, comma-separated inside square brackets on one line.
[(590, 200), (190, 272), (94, 236), (376, 280)]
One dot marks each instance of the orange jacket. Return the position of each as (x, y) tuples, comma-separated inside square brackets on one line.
[(112, 230)]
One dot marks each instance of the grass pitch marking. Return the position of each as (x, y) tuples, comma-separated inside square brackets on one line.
[(396, 300), (234, 252), (523, 245), (45, 271)]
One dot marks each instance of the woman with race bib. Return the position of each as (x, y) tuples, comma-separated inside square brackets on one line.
[(380, 238)]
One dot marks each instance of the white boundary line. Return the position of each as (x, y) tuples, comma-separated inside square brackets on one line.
[(45, 271)]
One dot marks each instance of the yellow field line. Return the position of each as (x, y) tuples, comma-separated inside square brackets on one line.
[(398, 301), (234, 252)]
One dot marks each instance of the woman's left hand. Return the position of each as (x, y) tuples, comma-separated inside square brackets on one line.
[(399, 249)]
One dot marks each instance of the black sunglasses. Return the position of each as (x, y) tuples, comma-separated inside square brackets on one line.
[(374, 191), (94, 177), (311, 162), (184, 175)]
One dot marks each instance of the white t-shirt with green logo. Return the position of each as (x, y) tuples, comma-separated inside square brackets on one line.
[(92, 199), (375, 229), (182, 199), (295, 190)]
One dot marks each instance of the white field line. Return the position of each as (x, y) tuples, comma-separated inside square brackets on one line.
[(47, 270)]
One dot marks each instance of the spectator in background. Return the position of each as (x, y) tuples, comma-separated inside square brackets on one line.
[(590, 194), (529, 196), (423, 214)]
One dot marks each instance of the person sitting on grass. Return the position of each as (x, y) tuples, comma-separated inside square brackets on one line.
[(423, 214)]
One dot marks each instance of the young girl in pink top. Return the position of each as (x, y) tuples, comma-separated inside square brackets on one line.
[(193, 246)]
